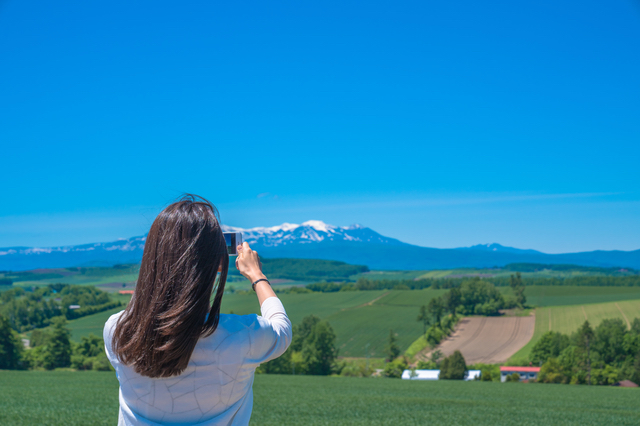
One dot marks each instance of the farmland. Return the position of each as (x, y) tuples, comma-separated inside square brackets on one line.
[(365, 317), (91, 398), (567, 319), (358, 317), (571, 295)]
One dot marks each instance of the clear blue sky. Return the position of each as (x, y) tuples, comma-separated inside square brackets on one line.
[(443, 124)]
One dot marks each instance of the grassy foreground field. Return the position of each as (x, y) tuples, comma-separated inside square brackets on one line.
[(91, 398)]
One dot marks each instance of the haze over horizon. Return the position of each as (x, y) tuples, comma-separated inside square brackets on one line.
[(441, 125)]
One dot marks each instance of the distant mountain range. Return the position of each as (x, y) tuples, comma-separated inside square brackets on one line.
[(315, 239)]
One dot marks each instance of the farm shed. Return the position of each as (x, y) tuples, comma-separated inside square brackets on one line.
[(526, 373), (421, 374), (472, 375), (435, 375)]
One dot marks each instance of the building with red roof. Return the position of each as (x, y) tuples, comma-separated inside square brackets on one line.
[(525, 373)]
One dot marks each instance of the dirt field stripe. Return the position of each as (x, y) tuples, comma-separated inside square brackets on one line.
[(549, 319), (624, 316), (585, 313), (475, 334), (514, 333)]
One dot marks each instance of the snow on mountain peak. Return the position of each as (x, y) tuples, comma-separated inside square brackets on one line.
[(307, 232), (319, 225)]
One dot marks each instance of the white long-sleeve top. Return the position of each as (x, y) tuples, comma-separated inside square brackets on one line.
[(216, 387)]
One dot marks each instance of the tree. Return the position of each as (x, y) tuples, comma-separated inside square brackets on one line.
[(451, 300), (479, 297), (515, 282), (552, 371), (436, 356), (453, 367), (395, 368), (302, 331), (550, 345), (393, 351), (10, 346), (280, 365), (319, 350), (57, 352), (425, 318), (436, 309), (584, 339), (608, 340)]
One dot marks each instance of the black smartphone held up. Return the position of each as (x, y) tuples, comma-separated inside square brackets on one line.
[(233, 240)]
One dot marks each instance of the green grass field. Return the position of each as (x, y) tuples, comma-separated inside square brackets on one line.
[(91, 398), (358, 317), (567, 319), (365, 317), (571, 295)]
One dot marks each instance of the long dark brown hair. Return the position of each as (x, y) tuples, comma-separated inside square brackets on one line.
[(167, 315)]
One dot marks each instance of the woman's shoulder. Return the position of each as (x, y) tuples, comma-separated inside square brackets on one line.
[(111, 322)]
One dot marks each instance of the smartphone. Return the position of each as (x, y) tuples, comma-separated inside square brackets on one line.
[(233, 240)]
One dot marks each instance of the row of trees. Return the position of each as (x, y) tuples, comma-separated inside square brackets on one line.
[(364, 284), (602, 356), (473, 297), (51, 349), (26, 310)]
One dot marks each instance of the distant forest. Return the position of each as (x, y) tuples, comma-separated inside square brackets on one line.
[(307, 269)]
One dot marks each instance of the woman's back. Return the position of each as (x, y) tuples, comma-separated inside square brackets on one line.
[(178, 360), (215, 388)]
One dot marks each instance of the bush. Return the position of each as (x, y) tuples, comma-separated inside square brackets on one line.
[(552, 372), (394, 369), (515, 377), (453, 367)]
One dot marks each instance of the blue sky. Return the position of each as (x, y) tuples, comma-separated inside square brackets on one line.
[(441, 124)]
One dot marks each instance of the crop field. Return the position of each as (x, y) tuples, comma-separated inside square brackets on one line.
[(567, 319), (90, 324), (357, 317), (91, 398), (411, 298), (572, 295)]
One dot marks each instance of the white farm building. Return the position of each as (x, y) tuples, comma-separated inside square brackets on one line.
[(435, 375)]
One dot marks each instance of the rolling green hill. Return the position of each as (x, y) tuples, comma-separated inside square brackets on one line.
[(567, 319), (365, 317)]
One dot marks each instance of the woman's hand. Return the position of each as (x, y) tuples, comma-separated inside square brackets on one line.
[(248, 263)]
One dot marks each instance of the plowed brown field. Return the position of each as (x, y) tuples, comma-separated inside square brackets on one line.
[(489, 340)]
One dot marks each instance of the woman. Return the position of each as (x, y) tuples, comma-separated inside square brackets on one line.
[(178, 360)]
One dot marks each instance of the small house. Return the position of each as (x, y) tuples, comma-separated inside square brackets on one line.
[(525, 373)]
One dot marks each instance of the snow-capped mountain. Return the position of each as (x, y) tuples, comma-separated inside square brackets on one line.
[(311, 231), (315, 239), (97, 254)]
